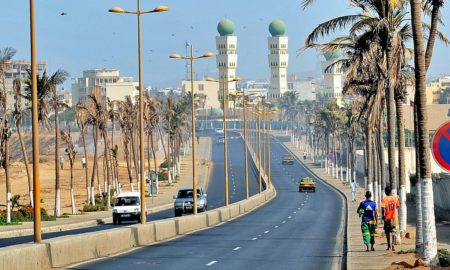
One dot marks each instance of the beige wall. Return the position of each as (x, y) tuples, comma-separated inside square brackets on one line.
[(210, 89), (438, 114)]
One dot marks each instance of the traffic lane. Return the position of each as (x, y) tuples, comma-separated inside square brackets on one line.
[(293, 231), (236, 172)]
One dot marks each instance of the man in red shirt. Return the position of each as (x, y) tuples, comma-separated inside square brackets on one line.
[(389, 206)]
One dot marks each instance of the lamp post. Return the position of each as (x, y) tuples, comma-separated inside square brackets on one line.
[(225, 140), (191, 58), (139, 12), (269, 176), (35, 132), (258, 113)]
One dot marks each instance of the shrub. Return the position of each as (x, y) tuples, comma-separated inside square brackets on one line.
[(25, 214), (444, 257), (94, 208)]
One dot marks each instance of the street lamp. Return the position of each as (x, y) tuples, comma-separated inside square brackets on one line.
[(35, 132), (258, 114), (191, 58), (225, 141), (268, 113), (139, 12)]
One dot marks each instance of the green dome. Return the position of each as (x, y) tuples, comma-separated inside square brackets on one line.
[(332, 56), (277, 28), (225, 27)]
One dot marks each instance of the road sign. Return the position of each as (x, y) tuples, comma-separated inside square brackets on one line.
[(441, 146)]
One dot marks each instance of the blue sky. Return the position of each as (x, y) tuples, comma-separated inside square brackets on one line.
[(90, 37)]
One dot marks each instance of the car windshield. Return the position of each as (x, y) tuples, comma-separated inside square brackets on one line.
[(288, 157), (187, 193), (127, 201), (307, 180)]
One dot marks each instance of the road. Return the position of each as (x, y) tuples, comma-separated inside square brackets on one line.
[(215, 191), (293, 231)]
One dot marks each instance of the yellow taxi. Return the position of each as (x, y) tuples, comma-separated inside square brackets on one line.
[(307, 183)]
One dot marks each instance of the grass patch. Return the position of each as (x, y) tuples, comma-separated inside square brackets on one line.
[(407, 251)]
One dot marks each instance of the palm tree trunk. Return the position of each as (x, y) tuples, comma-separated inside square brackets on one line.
[(57, 164), (127, 159), (381, 155), (418, 189), (133, 153), (369, 155), (401, 165), (108, 173), (95, 165), (25, 160), (72, 196), (168, 154), (390, 105), (154, 162), (5, 165), (88, 189), (429, 226)]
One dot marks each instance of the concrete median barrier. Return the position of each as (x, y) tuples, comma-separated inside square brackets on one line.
[(212, 218), (165, 229), (234, 210), (224, 214), (72, 249), (191, 223), (144, 233), (26, 256)]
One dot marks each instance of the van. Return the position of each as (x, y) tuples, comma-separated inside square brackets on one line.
[(127, 206)]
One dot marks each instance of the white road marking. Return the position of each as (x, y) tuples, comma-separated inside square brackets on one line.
[(303, 204), (295, 212), (211, 263), (236, 248), (298, 208), (289, 217), (254, 238), (276, 227), (284, 221), (266, 232)]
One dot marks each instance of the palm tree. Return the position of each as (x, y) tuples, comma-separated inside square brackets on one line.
[(126, 118), (422, 60), (6, 55), (152, 119), (17, 115), (46, 88), (70, 151), (82, 121)]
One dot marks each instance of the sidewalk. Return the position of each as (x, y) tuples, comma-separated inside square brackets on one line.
[(357, 257), (156, 203)]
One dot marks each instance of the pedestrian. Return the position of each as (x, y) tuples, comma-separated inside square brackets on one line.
[(198, 139), (83, 162), (389, 206), (61, 162), (304, 155), (367, 210), (353, 186)]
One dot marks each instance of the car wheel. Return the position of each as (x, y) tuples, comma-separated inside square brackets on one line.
[(299, 190), (138, 218), (114, 220), (178, 213), (119, 221)]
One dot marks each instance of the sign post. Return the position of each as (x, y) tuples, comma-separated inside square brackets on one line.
[(441, 146)]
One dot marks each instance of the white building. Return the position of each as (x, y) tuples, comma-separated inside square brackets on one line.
[(18, 69), (206, 91), (306, 88), (278, 59), (255, 88), (332, 78), (65, 97), (108, 81), (226, 58)]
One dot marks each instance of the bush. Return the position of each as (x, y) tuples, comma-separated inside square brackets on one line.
[(165, 164), (25, 214), (94, 208), (444, 257)]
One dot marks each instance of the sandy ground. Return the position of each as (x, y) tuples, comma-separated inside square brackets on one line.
[(19, 181)]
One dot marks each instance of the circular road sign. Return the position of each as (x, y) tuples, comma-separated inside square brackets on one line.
[(441, 146)]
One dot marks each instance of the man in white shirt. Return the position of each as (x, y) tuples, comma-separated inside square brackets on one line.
[(353, 186)]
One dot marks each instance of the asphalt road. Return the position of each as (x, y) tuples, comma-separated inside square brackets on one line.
[(215, 191), (293, 231)]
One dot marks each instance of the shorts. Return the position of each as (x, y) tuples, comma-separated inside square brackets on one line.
[(389, 226)]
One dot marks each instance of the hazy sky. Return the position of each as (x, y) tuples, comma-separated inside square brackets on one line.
[(90, 37)]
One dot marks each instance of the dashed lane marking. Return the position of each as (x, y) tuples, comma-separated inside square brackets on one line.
[(266, 232), (236, 248), (276, 227), (254, 238), (211, 263), (284, 221)]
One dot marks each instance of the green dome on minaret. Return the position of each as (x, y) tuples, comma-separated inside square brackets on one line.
[(333, 55), (277, 28), (225, 27)]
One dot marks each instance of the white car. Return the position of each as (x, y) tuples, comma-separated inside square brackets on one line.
[(127, 207)]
